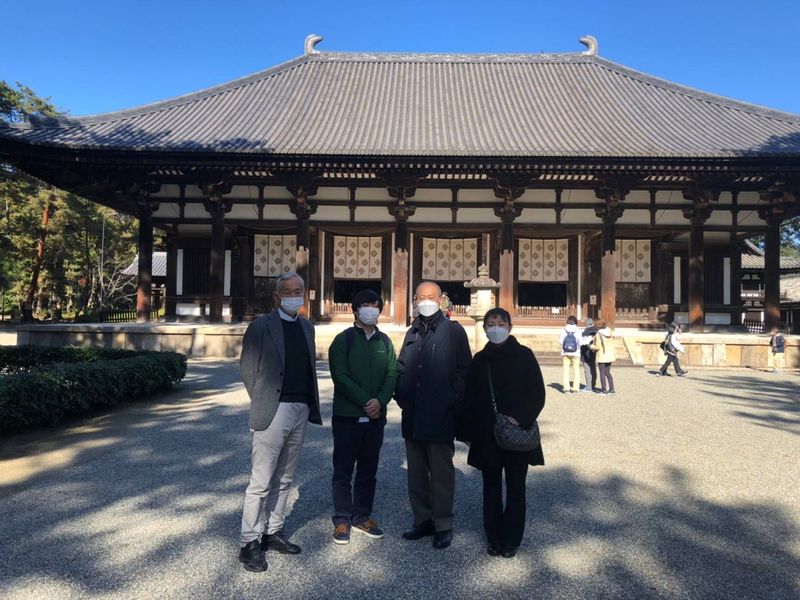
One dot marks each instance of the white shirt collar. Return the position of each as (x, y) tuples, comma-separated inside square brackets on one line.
[(366, 333), (287, 317)]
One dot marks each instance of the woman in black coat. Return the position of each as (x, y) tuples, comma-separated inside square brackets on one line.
[(520, 393)]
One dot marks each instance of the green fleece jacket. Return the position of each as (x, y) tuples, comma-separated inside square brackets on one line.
[(368, 371)]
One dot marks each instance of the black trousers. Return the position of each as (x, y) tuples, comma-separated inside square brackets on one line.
[(671, 358), (504, 526), (355, 446)]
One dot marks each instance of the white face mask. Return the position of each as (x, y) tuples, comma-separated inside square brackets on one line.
[(497, 335), (292, 305), (368, 315), (427, 307)]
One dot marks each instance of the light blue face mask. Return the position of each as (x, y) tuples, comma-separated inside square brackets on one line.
[(293, 304), (368, 315), (497, 335)]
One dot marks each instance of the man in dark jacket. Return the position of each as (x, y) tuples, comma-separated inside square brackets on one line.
[(431, 372), (278, 366), (588, 356), (364, 372)]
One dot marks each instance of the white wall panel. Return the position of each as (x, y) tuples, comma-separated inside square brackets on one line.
[(331, 213), (545, 216), (431, 215)]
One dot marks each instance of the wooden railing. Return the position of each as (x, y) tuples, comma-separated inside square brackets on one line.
[(761, 327), (127, 315), (553, 313), (633, 314)]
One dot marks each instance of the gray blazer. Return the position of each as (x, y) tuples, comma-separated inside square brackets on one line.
[(262, 363)]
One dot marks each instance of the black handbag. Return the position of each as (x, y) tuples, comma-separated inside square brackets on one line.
[(509, 436)]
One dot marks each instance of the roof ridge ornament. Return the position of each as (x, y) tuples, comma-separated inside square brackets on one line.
[(311, 42), (591, 45)]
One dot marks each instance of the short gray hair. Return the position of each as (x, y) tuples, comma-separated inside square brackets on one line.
[(286, 277)]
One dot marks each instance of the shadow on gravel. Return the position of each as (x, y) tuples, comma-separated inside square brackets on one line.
[(90, 527), (773, 403)]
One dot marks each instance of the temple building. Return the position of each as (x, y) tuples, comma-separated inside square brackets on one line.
[(585, 186)]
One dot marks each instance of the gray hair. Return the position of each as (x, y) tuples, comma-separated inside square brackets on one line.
[(286, 277)]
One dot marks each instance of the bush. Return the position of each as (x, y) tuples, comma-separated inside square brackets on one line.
[(23, 358), (51, 383)]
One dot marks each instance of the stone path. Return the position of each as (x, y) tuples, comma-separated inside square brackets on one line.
[(675, 488)]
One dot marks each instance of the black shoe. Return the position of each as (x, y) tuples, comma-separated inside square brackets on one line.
[(280, 543), (442, 539), (420, 531), (493, 550), (660, 374), (509, 552), (252, 557), (682, 373)]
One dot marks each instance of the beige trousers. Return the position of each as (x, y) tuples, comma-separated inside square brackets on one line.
[(275, 453), (572, 363)]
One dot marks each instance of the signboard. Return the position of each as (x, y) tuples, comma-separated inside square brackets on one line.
[(593, 299)]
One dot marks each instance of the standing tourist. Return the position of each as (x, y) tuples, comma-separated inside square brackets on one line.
[(431, 371), (278, 365), (778, 345), (671, 346), (569, 341), (516, 380), (364, 372), (603, 344), (588, 356)]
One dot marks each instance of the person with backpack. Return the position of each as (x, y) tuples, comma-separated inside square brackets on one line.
[(568, 339), (364, 371), (588, 357), (671, 346), (604, 346), (778, 345)]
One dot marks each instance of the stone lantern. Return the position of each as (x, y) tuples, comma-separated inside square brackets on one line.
[(481, 300)]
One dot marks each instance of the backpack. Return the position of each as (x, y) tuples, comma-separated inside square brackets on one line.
[(350, 338), (778, 343), (570, 343)]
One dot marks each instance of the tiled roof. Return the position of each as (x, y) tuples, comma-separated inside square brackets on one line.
[(159, 265), (790, 285), (752, 261), (548, 105)]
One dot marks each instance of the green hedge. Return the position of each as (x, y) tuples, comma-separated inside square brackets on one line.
[(23, 358), (52, 383)]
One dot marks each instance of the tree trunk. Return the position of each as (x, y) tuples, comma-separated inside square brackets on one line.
[(37, 263)]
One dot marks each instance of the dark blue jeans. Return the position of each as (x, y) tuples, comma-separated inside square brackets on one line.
[(355, 446)]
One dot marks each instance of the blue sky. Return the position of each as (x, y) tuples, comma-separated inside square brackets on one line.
[(92, 56)]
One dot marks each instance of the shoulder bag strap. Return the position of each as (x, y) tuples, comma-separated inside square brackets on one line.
[(491, 387)]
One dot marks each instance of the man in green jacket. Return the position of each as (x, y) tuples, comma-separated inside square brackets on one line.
[(364, 370)]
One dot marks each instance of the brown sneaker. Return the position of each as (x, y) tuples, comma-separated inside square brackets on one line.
[(341, 535), (370, 529)]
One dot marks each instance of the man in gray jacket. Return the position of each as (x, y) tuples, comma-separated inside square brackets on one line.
[(278, 366)]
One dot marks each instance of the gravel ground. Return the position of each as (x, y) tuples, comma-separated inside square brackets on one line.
[(673, 488)]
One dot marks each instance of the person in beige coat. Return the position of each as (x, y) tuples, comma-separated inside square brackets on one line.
[(603, 344)]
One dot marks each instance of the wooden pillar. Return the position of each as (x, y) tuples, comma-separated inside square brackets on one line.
[(612, 189), (772, 275), (400, 265), (240, 276), (217, 206), (170, 301), (696, 295), (302, 186), (608, 271), (508, 189), (507, 267), (144, 288), (782, 204), (702, 196)]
